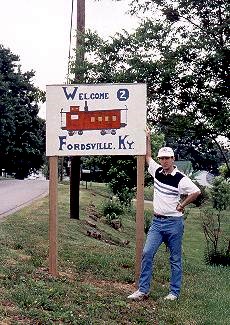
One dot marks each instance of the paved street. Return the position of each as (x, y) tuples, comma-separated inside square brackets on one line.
[(15, 194), (204, 178)]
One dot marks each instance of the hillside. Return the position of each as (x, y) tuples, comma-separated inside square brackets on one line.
[(97, 274)]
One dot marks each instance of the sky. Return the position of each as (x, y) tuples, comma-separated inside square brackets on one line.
[(38, 31)]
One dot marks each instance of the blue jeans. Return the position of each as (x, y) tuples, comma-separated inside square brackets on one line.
[(170, 231)]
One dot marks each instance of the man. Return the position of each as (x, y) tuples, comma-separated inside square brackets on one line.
[(168, 223)]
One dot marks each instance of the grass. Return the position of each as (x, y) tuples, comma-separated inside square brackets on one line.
[(95, 276)]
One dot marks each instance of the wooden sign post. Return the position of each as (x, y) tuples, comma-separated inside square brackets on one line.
[(53, 181), (139, 215)]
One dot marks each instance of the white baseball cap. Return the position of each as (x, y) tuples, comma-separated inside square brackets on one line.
[(165, 152)]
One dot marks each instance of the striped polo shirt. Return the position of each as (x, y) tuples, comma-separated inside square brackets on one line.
[(168, 188)]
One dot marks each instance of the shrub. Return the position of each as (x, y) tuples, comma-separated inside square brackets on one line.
[(111, 206), (212, 222), (224, 171), (215, 258), (148, 193), (216, 241), (125, 196), (220, 193), (148, 216), (122, 179), (111, 210)]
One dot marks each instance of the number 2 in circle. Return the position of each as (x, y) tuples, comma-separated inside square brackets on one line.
[(122, 94)]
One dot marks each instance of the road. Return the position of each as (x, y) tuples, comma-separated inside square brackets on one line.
[(15, 194), (204, 178)]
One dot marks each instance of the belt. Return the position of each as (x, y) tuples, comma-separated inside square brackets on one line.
[(159, 216)]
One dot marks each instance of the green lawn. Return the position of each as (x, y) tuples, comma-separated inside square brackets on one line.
[(95, 276)]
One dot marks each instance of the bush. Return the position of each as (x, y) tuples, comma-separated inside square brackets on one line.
[(122, 179), (111, 206), (216, 258), (224, 171), (148, 216), (216, 252), (148, 193), (212, 219), (220, 193), (111, 210), (125, 196)]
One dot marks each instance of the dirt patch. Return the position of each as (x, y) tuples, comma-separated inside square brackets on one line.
[(111, 285)]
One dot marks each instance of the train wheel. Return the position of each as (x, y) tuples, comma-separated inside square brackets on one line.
[(103, 132), (113, 132), (80, 132), (71, 133)]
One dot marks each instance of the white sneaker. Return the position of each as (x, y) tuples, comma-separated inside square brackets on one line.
[(138, 295), (170, 297)]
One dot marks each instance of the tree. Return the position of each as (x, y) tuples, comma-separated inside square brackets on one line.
[(182, 52), (200, 150), (118, 171), (22, 132)]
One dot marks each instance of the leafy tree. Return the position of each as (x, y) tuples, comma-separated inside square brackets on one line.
[(181, 50), (22, 132), (119, 172), (200, 150)]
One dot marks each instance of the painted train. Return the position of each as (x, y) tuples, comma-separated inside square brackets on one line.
[(107, 121)]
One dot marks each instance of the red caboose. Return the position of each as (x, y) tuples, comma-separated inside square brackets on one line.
[(104, 120)]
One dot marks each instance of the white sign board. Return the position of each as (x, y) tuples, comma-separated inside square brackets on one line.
[(100, 119)]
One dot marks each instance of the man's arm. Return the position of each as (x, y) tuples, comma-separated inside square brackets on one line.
[(189, 199), (148, 156)]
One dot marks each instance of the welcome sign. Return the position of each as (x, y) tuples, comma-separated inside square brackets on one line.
[(99, 119)]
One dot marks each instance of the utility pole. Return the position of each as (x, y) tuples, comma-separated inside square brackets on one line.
[(75, 160), (81, 16)]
